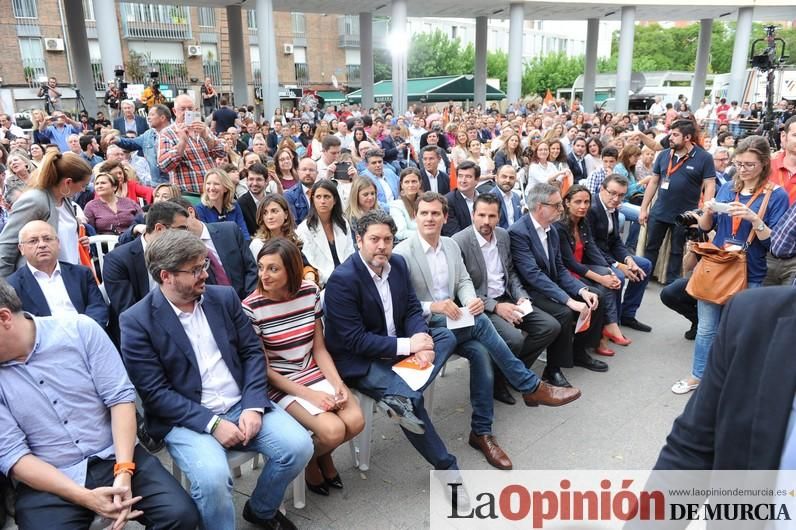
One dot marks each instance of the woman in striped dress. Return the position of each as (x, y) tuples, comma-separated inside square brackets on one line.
[(286, 314)]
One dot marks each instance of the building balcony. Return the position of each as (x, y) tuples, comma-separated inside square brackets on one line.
[(353, 75), (302, 74), (35, 71), (212, 69), (150, 21)]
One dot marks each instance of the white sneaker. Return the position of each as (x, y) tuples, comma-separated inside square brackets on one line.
[(683, 387)]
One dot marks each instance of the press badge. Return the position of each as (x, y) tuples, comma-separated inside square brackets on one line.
[(733, 244), (665, 184)]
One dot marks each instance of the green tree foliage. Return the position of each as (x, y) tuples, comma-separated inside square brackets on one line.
[(550, 72), (433, 54), (382, 65)]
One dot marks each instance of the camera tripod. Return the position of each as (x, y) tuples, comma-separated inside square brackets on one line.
[(80, 103), (768, 62)]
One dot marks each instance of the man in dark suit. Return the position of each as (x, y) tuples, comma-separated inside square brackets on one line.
[(723, 427), (603, 219), (486, 251), (249, 201), (231, 261), (510, 203), (462, 199), (129, 121), (124, 271), (274, 137), (576, 160), (199, 368), (431, 178), (373, 321), (537, 260), (297, 197), (48, 287)]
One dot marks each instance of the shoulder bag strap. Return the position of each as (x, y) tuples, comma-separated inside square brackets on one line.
[(761, 213)]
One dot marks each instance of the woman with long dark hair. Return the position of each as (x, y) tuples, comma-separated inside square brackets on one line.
[(325, 232)]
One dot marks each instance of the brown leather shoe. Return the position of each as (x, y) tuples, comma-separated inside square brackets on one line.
[(494, 454), (552, 396)]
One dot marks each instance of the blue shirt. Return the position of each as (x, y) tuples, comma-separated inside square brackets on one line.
[(56, 404), (59, 136), (756, 253), (680, 191), (209, 214)]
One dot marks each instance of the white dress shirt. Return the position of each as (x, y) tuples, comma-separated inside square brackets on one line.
[(508, 203), (432, 182), (438, 265), (542, 233), (609, 212), (54, 291), (67, 234), (383, 287), (152, 283), (495, 279), (385, 187), (470, 203), (219, 389), (208, 242)]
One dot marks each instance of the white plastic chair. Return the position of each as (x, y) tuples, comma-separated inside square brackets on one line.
[(103, 245), (235, 460)]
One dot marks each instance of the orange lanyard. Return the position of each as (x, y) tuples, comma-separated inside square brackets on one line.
[(736, 221), (677, 166)]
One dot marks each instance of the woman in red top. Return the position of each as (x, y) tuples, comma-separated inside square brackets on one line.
[(128, 182), (584, 260)]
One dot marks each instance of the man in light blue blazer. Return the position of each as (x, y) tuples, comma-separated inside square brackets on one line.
[(147, 142)]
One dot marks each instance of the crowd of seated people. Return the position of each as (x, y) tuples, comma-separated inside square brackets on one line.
[(263, 271)]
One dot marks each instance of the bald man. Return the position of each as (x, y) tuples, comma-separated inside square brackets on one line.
[(48, 287), (188, 149), (297, 196)]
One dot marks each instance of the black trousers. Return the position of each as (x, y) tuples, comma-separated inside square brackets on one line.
[(656, 233), (569, 346), (675, 297), (165, 504), (540, 328)]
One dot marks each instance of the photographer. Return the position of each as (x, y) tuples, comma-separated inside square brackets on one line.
[(57, 128), (734, 216), (52, 98), (113, 99)]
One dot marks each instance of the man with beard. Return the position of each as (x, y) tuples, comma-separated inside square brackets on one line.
[(510, 204)]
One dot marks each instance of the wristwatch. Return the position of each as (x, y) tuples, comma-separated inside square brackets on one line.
[(760, 227)]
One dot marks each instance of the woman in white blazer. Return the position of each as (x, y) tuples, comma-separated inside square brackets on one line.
[(325, 232)]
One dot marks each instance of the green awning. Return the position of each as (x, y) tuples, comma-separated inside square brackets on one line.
[(331, 96), (443, 88)]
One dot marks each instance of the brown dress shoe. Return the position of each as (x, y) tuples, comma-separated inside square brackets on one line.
[(494, 454), (552, 396)]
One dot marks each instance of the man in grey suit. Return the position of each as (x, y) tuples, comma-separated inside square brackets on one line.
[(486, 250), (439, 277)]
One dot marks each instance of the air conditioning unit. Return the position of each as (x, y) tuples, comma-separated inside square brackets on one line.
[(54, 45), (194, 50), (287, 49)]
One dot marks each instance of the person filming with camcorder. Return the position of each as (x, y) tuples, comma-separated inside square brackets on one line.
[(52, 97), (152, 95)]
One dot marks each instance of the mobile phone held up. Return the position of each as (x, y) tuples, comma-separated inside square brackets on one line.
[(189, 117), (341, 171)]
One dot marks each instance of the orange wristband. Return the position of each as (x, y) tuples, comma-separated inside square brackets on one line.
[(123, 467)]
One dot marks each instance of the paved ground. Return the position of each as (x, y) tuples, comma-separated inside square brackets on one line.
[(620, 423)]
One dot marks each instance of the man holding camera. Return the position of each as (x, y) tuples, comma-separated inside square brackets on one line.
[(679, 175), (57, 128), (151, 95), (51, 95)]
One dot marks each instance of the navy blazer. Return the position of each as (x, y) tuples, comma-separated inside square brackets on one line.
[(141, 125), (80, 286), (538, 273), (356, 332), (722, 427), (609, 244), (578, 170), (162, 364), (591, 254), (249, 209), (235, 256), (443, 182), (458, 214), (125, 276), (515, 200), (297, 202)]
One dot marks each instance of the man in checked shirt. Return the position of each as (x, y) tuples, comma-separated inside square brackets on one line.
[(781, 258), (187, 149)]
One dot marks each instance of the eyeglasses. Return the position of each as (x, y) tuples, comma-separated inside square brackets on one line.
[(724, 159), (32, 242), (197, 271), (745, 166), (556, 205), (615, 194)]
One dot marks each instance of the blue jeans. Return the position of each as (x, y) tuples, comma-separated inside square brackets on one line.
[(381, 381), (286, 445), (631, 213), (709, 316), (478, 344), (630, 302)]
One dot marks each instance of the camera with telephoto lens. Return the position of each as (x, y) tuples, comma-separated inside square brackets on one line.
[(689, 221)]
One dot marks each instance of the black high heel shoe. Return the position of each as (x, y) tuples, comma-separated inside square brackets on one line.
[(334, 482), (320, 489)]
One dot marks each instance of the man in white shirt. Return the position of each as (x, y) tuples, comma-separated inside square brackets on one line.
[(416, 131), (48, 287), (346, 137), (330, 155), (199, 368), (439, 277)]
